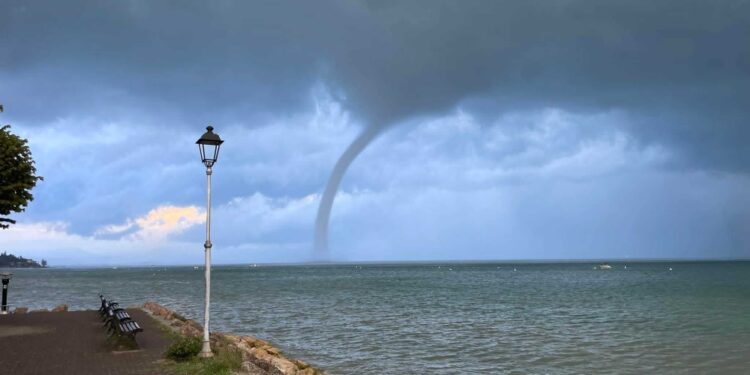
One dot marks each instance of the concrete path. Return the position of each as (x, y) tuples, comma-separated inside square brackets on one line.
[(75, 343)]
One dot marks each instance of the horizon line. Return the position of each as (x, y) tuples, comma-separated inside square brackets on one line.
[(398, 262)]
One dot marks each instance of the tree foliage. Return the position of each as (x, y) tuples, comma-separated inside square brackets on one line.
[(12, 261), (17, 175)]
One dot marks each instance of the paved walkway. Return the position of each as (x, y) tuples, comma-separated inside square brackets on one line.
[(75, 343)]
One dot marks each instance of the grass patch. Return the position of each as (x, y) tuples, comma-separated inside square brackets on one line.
[(224, 362), (182, 357), (169, 332)]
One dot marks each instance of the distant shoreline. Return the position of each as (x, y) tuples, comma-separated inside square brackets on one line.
[(396, 263), (10, 261)]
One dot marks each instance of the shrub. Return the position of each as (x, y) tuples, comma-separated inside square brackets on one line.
[(184, 348)]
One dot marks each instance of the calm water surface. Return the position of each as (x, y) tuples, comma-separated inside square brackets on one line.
[(452, 318)]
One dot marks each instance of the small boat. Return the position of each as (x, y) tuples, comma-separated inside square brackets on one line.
[(195, 267), (605, 266)]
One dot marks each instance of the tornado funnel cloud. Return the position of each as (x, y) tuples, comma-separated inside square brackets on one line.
[(326, 201)]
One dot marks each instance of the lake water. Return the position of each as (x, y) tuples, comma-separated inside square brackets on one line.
[(451, 318)]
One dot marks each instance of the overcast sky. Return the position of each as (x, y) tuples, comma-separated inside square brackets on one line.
[(505, 130)]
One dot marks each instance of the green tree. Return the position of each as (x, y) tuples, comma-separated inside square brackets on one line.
[(17, 175)]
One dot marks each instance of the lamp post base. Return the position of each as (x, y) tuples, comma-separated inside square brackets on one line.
[(206, 351)]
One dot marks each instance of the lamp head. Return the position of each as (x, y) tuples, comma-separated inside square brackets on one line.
[(209, 144)]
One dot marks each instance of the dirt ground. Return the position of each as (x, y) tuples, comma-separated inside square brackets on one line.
[(75, 343)]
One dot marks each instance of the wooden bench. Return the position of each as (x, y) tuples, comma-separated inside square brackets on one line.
[(105, 306), (109, 313), (117, 320)]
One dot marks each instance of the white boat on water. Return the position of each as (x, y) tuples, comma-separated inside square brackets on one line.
[(605, 266)]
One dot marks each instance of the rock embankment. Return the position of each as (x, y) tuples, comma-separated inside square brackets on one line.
[(256, 353), (24, 310)]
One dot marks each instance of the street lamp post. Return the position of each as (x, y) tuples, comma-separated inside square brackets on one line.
[(5, 279), (208, 144)]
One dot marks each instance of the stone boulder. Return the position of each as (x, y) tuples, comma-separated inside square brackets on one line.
[(21, 310), (254, 342), (60, 308), (188, 329), (157, 309), (256, 353)]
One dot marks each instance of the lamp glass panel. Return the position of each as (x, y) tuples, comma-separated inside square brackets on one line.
[(216, 152), (202, 149), (209, 152)]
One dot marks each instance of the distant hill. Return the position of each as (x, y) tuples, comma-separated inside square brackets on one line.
[(12, 261)]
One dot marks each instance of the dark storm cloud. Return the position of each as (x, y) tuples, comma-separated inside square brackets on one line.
[(166, 58), (681, 68)]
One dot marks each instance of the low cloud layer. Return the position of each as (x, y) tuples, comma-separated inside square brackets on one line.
[(535, 185), (157, 225)]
